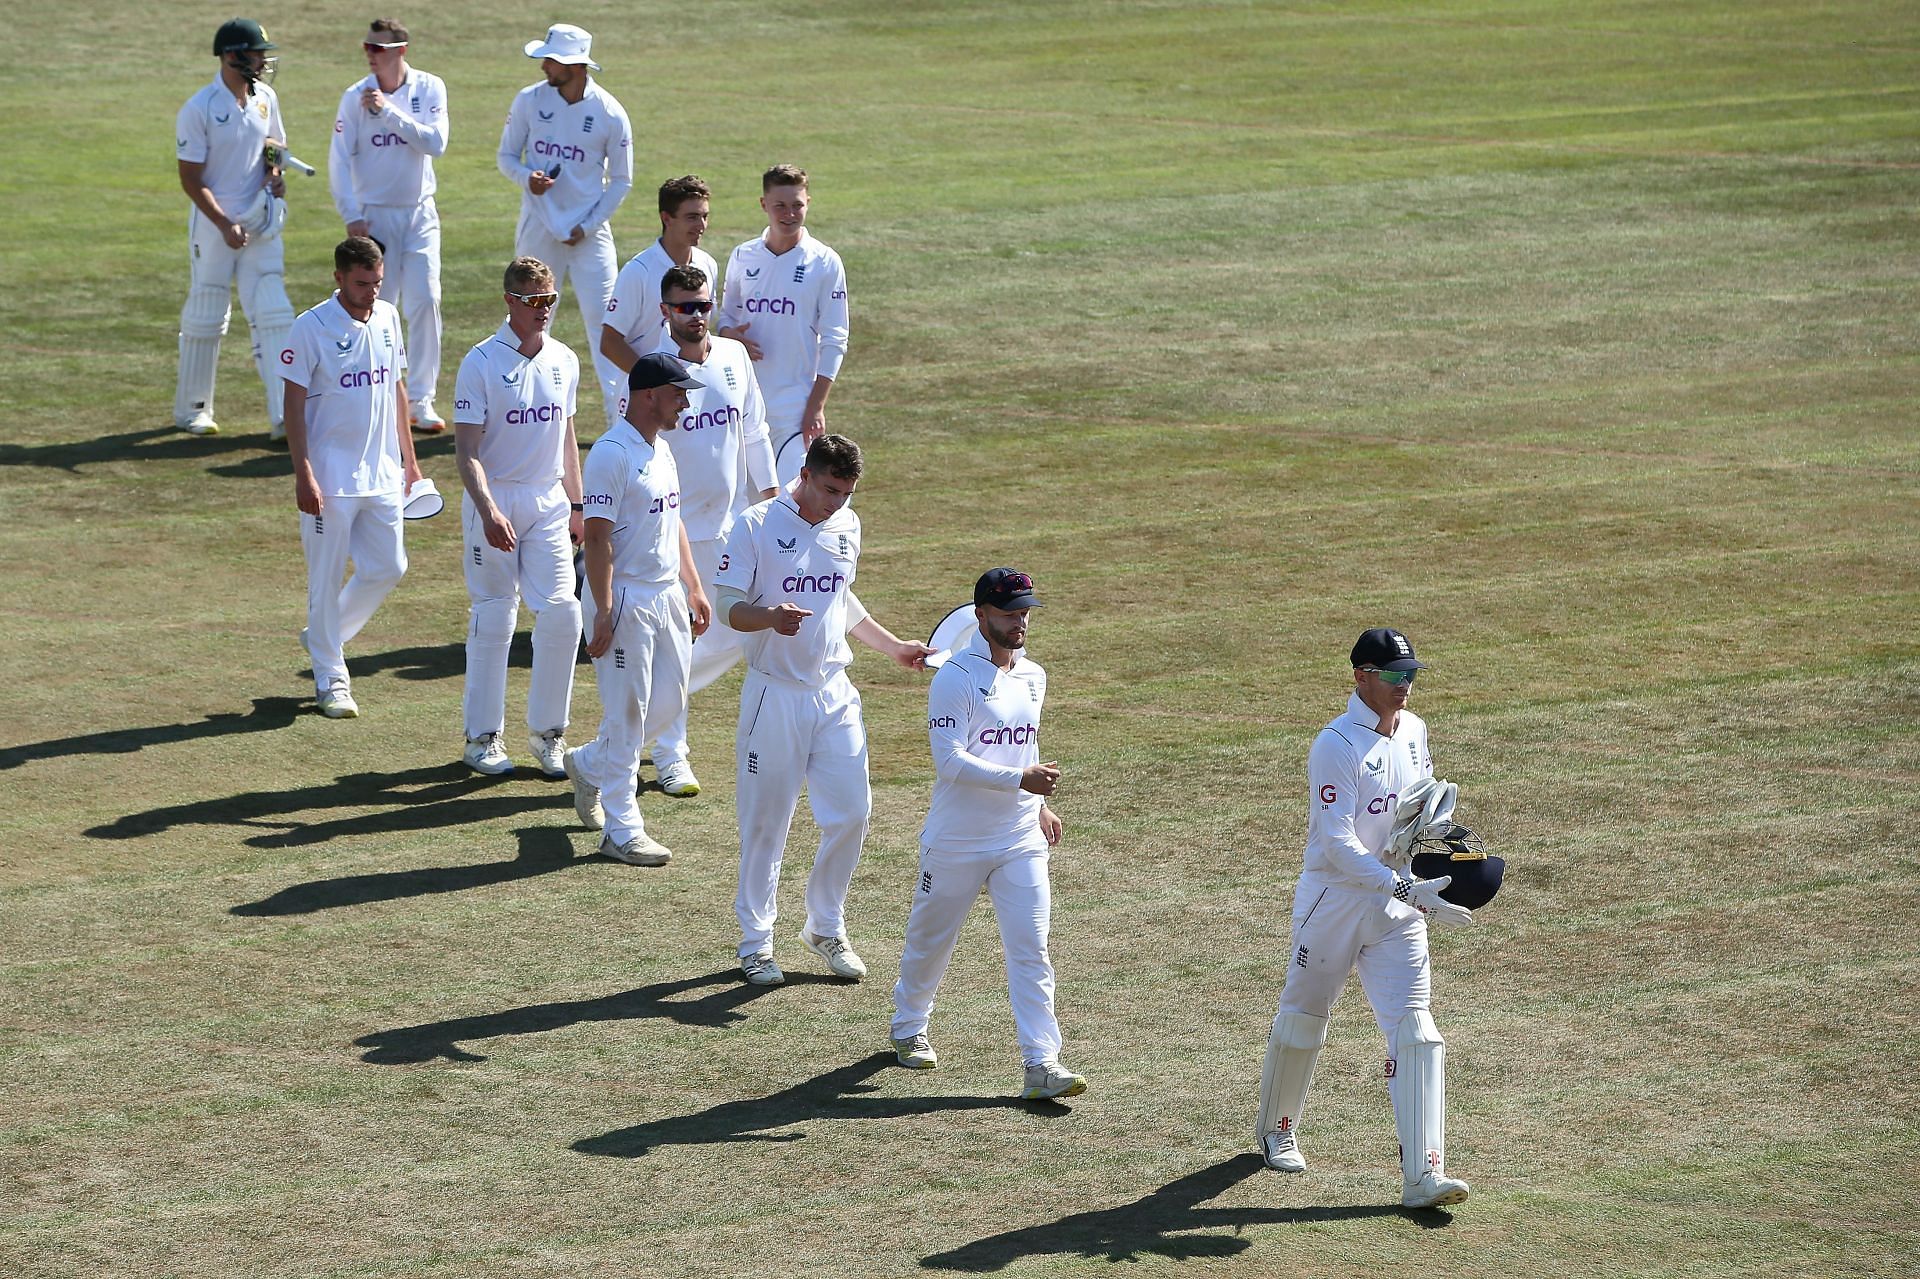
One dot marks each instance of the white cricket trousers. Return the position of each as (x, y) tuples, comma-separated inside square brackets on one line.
[(367, 530), (258, 273), (539, 570), (1336, 930), (642, 677), (591, 267), (411, 236), (1016, 883), (786, 407), (713, 654), (790, 734)]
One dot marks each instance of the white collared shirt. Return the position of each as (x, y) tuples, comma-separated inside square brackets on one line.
[(635, 486), (983, 724), (774, 556), (589, 141), (1355, 775), (387, 159), (797, 304), (230, 140), (522, 405), (721, 440), (349, 370), (634, 309)]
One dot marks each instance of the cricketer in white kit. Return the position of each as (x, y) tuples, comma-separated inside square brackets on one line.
[(1352, 909), (233, 230), (568, 146), (391, 124), (785, 581), (988, 829), (520, 464), (634, 325), (722, 435), (648, 603), (352, 460), (786, 298)]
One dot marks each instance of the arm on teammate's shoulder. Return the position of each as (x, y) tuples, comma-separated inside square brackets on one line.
[(906, 653)]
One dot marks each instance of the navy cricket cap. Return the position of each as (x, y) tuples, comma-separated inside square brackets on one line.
[(1386, 649), (661, 369), (1005, 588)]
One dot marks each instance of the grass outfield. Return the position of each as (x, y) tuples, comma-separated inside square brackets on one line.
[(1577, 341)]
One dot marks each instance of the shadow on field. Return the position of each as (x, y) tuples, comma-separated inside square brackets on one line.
[(434, 661), (410, 1045), (431, 798), (1155, 1225), (543, 850), (155, 444), (831, 1096), (268, 713)]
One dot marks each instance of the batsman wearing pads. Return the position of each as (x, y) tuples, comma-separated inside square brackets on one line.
[(233, 232), (786, 582), (1353, 909), (988, 830), (520, 463)]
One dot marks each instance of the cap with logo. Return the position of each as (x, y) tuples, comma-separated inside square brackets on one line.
[(566, 44), (240, 34), (1386, 649), (661, 369), (1005, 588)]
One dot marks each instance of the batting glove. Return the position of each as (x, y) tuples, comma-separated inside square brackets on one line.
[(1424, 896)]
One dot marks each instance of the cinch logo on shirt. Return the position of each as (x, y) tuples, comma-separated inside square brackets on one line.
[(1018, 735), (545, 413), (379, 376), (1383, 803), (706, 417), (670, 502), (944, 721), (771, 306), (597, 499), (798, 582), (388, 140), (558, 150)]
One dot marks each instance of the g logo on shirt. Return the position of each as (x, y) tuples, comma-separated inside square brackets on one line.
[(1328, 794), (286, 355)]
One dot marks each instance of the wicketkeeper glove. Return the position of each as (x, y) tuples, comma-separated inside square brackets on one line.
[(1424, 896)]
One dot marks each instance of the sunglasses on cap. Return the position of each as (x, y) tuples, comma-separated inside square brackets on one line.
[(1395, 678), (694, 307), (539, 300)]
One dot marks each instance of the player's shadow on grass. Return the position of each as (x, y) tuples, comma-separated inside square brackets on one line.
[(430, 798), (268, 713), (433, 661), (158, 444), (440, 1040), (543, 850), (837, 1095), (1159, 1224)]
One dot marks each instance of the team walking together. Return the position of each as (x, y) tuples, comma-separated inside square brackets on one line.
[(712, 525)]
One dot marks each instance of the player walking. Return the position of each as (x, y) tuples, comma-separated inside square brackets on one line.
[(786, 582), (519, 460), (989, 828), (644, 592), (391, 124), (786, 299), (569, 148), (633, 325), (1352, 910), (723, 433), (353, 459), (233, 233)]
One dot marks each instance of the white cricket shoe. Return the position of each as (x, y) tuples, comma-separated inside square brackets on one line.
[(1282, 1152), (277, 433), (915, 1052), (760, 970), (586, 796), (677, 780), (1051, 1079), (336, 700), (426, 419), (641, 850), (201, 423), (1433, 1190), (485, 754), (549, 751), (838, 954)]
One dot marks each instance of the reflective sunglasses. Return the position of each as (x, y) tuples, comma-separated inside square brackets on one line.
[(1396, 678), (540, 300), (695, 307)]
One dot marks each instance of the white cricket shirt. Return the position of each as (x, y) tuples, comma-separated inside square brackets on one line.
[(522, 405), (387, 158), (230, 139), (589, 141), (775, 556), (797, 304), (634, 309), (984, 727), (721, 433), (349, 370), (634, 486), (1355, 776)]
